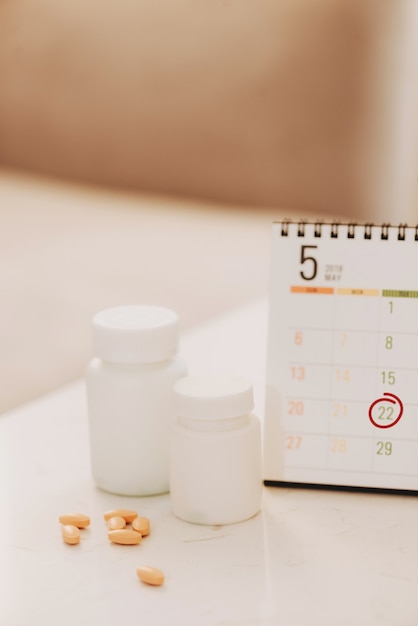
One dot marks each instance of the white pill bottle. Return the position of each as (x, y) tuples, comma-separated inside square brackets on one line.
[(129, 396), (215, 451)]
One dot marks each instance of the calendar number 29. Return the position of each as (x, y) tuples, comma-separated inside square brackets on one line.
[(309, 262)]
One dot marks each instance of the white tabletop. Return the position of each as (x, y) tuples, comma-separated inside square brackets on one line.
[(310, 557)]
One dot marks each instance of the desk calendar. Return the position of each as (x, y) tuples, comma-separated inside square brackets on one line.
[(342, 366)]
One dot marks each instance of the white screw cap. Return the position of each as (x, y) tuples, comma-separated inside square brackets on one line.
[(208, 398), (135, 334)]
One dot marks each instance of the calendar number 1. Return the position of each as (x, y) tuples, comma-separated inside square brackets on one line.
[(312, 263)]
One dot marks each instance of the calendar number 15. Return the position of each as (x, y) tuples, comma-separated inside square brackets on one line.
[(311, 266)]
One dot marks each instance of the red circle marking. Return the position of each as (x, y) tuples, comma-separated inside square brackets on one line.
[(387, 399)]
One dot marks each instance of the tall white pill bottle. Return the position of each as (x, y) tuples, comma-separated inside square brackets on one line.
[(129, 397), (215, 451)]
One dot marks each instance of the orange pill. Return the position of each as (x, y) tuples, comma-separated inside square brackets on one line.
[(70, 534), (141, 525), (75, 519), (125, 536), (116, 523), (150, 575), (127, 514)]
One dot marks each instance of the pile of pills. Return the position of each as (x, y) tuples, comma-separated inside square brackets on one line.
[(117, 521), (70, 527), (125, 527)]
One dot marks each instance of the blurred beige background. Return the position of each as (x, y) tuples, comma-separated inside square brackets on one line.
[(67, 251), (306, 103), (146, 147)]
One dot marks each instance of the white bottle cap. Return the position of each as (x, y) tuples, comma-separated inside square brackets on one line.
[(207, 398), (135, 334)]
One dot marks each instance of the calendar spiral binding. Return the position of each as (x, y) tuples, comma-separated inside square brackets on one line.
[(353, 229)]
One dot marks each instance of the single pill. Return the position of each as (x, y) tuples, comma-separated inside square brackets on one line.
[(116, 523), (125, 536), (70, 534), (127, 515), (150, 575), (141, 525), (75, 519)]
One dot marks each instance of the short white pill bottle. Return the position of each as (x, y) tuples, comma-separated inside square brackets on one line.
[(129, 396), (215, 451)]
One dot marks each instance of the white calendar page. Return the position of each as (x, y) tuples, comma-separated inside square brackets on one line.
[(342, 369)]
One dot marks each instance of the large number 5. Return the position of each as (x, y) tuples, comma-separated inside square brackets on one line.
[(303, 259)]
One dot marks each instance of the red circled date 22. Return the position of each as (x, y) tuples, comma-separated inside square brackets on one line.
[(389, 397)]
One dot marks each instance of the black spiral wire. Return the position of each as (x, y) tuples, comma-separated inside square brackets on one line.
[(354, 229)]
